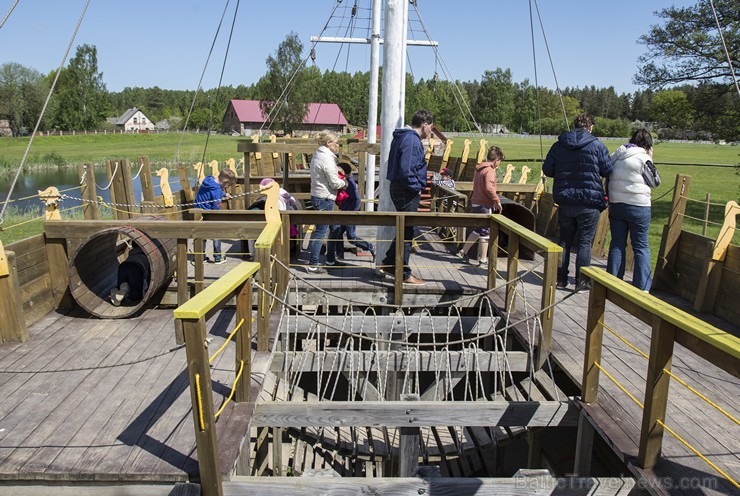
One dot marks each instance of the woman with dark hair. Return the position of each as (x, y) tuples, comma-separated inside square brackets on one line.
[(629, 208)]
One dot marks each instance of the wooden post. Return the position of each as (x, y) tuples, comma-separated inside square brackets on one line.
[(12, 321), (56, 253), (706, 217), (182, 283), (512, 268), (656, 392), (398, 268), (493, 239), (128, 187), (549, 279), (665, 270), (263, 303), (408, 451), (145, 179), (244, 340), (201, 394), (87, 192), (185, 185), (284, 254), (247, 175), (590, 383)]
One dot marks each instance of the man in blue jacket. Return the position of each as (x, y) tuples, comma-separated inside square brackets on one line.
[(407, 172), (578, 161)]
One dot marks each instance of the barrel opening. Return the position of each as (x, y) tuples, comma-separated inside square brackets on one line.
[(110, 257)]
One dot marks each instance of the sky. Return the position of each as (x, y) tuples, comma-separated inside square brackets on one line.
[(166, 43)]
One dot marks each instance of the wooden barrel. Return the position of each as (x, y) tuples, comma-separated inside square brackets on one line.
[(522, 216), (93, 269)]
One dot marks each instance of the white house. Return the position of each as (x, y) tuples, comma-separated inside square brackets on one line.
[(134, 120)]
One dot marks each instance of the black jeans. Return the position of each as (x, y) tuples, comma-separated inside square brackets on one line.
[(405, 200)]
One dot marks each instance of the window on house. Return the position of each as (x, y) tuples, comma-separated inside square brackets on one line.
[(134, 120)]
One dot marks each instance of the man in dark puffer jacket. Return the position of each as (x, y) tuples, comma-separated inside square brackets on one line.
[(578, 161)]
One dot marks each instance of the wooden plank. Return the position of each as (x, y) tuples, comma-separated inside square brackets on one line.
[(410, 324), (165, 229), (105, 489), (423, 414), (373, 361), (56, 253)]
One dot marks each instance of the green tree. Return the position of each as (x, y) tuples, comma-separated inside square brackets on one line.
[(672, 108), (687, 47), (495, 102), (22, 94), (81, 94), (285, 78)]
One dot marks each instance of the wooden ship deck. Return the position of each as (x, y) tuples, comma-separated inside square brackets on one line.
[(485, 380)]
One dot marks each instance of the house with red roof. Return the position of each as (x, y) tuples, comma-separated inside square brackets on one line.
[(245, 117)]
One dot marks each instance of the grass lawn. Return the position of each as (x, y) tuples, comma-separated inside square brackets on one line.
[(720, 182)]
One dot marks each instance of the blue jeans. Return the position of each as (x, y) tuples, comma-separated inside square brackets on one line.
[(405, 200), (336, 243), (633, 220), (216, 249), (319, 232), (577, 227)]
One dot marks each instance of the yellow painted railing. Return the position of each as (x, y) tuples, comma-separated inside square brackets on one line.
[(669, 325)]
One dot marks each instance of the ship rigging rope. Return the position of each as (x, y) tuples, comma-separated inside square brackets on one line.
[(552, 64), (536, 85), (43, 111), (438, 57), (200, 81), (724, 45), (220, 81), (279, 102), (10, 11)]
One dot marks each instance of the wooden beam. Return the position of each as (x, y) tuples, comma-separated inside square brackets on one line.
[(410, 324), (165, 229), (420, 414), (372, 361), (12, 321), (656, 392)]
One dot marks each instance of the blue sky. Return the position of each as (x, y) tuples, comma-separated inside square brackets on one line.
[(165, 42)]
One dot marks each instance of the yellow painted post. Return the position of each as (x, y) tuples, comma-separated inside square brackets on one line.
[(482, 150), (549, 280), (50, 198), (465, 152), (509, 171), (446, 154)]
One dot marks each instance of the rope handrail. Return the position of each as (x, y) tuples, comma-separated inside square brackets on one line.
[(228, 340), (233, 389), (669, 430), (702, 220), (671, 374), (704, 202), (98, 367), (511, 325)]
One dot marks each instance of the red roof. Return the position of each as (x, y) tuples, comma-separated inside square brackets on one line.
[(361, 133), (318, 113)]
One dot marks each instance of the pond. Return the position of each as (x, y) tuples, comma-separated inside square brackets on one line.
[(65, 178)]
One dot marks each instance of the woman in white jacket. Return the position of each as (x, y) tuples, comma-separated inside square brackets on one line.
[(325, 183), (629, 208)]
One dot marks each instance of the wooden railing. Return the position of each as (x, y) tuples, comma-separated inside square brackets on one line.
[(191, 318), (669, 325)]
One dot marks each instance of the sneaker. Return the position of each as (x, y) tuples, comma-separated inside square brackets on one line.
[(219, 261), (315, 269), (389, 271), (414, 281), (483, 264), (336, 263), (462, 256), (562, 284), (582, 286)]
